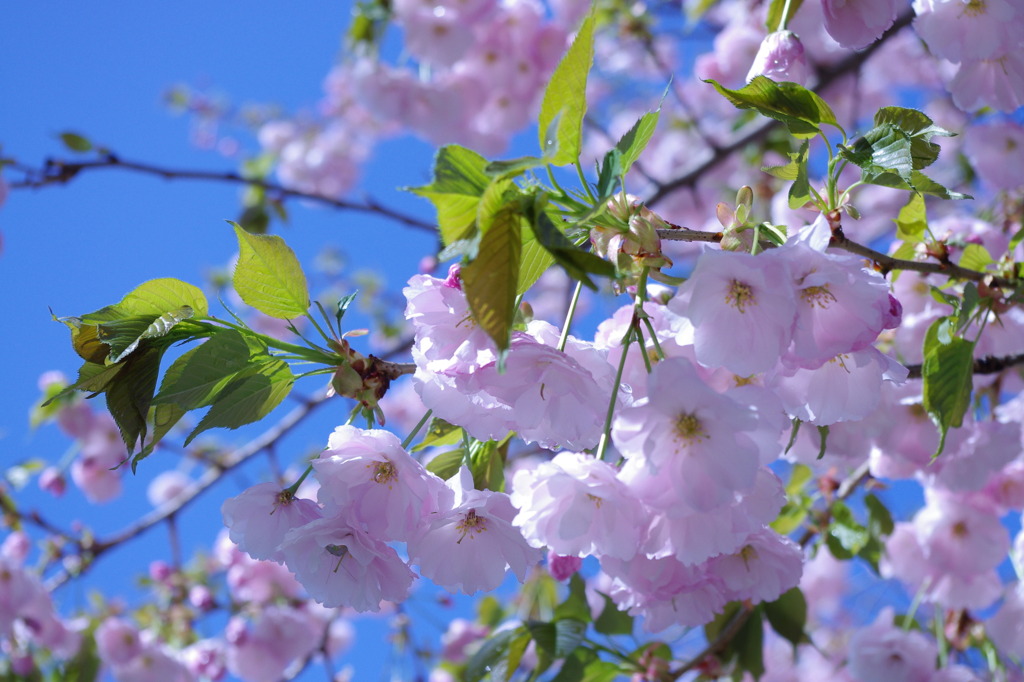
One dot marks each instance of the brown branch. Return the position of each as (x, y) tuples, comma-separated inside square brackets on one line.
[(882, 261), (887, 263), (720, 153), (989, 364), (60, 172)]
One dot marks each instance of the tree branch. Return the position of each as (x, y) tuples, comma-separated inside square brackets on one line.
[(60, 172)]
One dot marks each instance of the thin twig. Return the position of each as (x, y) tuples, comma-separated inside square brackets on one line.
[(59, 172)]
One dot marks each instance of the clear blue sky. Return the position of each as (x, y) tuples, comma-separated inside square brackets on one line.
[(101, 69)]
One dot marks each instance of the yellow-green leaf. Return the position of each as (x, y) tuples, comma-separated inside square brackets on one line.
[(560, 125), (268, 276)]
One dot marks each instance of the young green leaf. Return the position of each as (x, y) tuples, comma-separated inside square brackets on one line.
[(798, 108), (447, 464), (268, 276), (158, 296), (491, 279), (459, 182), (565, 100), (248, 397), (487, 656), (612, 621), (130, 392), (912, 221), (576, 262), (947, 372), (162, 418), (975, 257), (195, 379), (76, 142), (632, 144), (788, 616)]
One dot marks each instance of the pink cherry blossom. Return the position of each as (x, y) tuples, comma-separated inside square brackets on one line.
[(691, 436), (858, 23), (343, 566), (742, 308), (575, 505), (471, 546), (260, 517), (882, 651), (763, 569), (369, 478), (279, 636), (968, 31)]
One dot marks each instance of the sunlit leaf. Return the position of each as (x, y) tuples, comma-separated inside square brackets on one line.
[(565, 100)]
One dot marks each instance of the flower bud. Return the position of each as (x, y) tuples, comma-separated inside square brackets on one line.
[(781, 58)]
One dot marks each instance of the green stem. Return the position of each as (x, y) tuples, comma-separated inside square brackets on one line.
[(312, 319), (602, 446), (311, 354), (569, 315), (291, 490), (583, 180), (785, 16), (408, 439)]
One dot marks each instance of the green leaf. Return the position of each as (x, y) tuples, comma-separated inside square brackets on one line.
[(558, 639), (196, 378), (92, 377), (798, 108), (883, 149), (976, 257), (845, 529), (268, 276), (509, 663), (513, 167), (919, 182), (634, 142), (788, 616), (487, 464), (575, 605), (775, 22), (879, 518), (919, 127), (912, 221), (534, 260), (162, 418), (576, 262), (248, 397), (609, 173), (487, 656), (490, 281), (947, 373), (438, 433), (447, 464), (130, 392), (123, 336), (584, 666), (800, 191), (565, 100), (748, 645), (459, 182), (75, 142), (159, 296), (612, 621)]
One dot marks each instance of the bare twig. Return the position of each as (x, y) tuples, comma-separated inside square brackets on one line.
[(60, 172)]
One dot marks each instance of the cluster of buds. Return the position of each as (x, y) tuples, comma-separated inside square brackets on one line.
[(362, 378), (630, 238)]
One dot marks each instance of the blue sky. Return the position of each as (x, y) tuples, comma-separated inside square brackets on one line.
[(101, 70)]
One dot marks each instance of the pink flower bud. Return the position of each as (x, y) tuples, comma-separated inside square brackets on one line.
[(781, 58), (563, 567), (52, 481)]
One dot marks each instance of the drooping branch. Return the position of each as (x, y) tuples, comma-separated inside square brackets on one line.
[(60, 172)]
